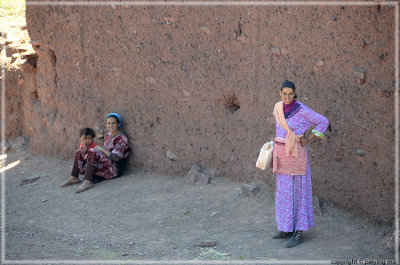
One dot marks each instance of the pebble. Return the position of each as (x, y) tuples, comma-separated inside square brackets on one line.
[(250, 190), (196, 175), (213, 213)]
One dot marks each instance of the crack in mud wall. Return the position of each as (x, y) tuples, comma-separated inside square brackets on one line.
[(201, 82)]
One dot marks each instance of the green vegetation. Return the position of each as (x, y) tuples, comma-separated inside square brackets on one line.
[(98, 253), (211, 253), (12, 8)]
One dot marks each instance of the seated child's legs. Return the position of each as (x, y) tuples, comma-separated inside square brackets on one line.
[(79, 163)]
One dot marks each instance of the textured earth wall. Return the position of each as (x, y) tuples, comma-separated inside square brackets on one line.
[(201, 82)]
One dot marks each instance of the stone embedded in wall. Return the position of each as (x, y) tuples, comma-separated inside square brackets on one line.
[(360, 73), (150, 80), (171, 155), (99, 131), (169, 19), (386, 93), (35, 43), (318, 64), (243, 39), (360, 155), (360, 152), (363, 43), (205, 29), (278, 50)]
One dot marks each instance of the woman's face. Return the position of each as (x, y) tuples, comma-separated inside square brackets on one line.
[(287, 95), (112, 124)]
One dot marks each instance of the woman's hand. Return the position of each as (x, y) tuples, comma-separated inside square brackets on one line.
[(98, 147), (303, 142)]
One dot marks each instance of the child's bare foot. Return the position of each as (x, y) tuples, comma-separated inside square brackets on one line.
[(84, 186), (71, 181)]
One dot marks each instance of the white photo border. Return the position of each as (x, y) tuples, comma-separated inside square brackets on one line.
[(204, 3)]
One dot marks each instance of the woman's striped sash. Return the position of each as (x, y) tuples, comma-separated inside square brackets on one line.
[(289, 165)]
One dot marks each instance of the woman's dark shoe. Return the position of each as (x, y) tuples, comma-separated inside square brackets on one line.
[(71, 181), (281, 234), (295, 240)]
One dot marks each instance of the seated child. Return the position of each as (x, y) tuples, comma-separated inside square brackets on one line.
[(87, 136)]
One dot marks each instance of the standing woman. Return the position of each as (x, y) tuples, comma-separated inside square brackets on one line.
[(293, 196), (106, 162)]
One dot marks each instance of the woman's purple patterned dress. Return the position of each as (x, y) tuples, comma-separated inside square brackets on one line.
[(293, 196)]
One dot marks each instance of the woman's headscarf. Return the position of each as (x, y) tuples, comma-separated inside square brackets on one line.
[(116, 116)]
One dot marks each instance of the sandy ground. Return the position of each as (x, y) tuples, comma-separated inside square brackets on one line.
[(149, 216)]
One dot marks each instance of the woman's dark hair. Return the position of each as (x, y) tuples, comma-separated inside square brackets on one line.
[(289, 84), (87, 131)]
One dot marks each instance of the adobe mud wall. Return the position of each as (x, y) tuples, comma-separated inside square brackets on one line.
[(14, 40), (201, 82)]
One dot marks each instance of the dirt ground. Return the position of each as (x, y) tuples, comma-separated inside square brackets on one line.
[(149, 217)]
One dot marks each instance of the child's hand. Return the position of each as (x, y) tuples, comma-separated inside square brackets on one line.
[(84, 147), (97, 147)]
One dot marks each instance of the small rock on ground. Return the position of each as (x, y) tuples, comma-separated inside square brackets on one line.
[(250, 190), (197, 176)]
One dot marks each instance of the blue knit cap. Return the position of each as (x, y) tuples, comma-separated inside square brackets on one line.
[(117, 116)]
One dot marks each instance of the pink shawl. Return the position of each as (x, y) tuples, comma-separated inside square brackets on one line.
[(291, 138), (290, 158)]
